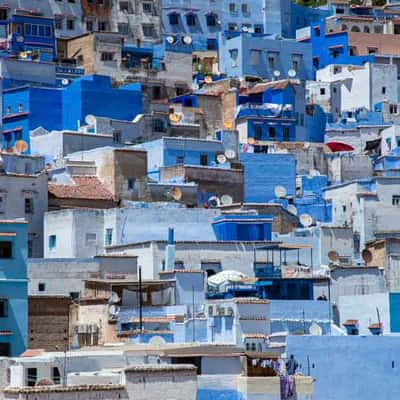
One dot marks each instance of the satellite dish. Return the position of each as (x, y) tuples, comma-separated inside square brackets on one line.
[(208, 79), (277, 73), (251, 140), (307, 145), (315, 329), (170, 40), (21, 146), (176, 193), (230, 154), (280, 192), (245, 29), (333, 255), (187, 40), (113, 310), (175, 118), (90, 119), (64, 82), (114, 298), (157, 341), (20, 39), (213, 202), (226, 200), (306, 220), (221, 159), (314, 172), (23, 55), (292, 73), (228, 124), (292, 209), (366, 256)]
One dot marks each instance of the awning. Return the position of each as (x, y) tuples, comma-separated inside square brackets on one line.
[(339, 146)]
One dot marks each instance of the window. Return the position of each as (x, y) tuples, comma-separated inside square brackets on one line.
[(58, 22), (344, 208), (147, 8), (109, 234), (271, 62), (30, 248), (29, 206), (366, 29), (258, 132), (383, 89), (317, 31), (123, 28), (393, 108), (322, 91), (173, 19), (56, 376), (295, 65), (90, 239), (255, 57), (89, 26), (211, 20), (334, 90), (258, 28), (100, 2), (102, 26), (5, 249), (20, 107), (190, 20), (124, 6), (131, 183), (2, 204), (148, 30), (107, 56), (180, 160), (315, 62), (232, 27), (3, 14), (116, 136), (41, 287), (285, 134), (8, 110), (271, 132), (3, 308), (79, 60), (70, 24), (52, 242), (378, 29), (203, 159), (31, 376), (232, 7), (234, 57), (156, 92), (245, 8), (253, 347), (396, 200), (159, 125)]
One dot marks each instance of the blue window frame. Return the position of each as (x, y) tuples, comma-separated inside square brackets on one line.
[(34, 30), (173, 19), (28, 29), (191, 19)]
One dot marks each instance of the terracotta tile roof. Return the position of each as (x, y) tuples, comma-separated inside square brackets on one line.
[(61, 389), (84, 187), (254, 336), (262, 87), (161, 368), (376, 325), (32, 353), (168, 318), (183, 271), (350, 322), (249, 300), (384, 43)]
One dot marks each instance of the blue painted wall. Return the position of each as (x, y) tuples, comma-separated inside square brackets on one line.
[(15, 111), (285, 52), (92, 94), (263, 172), (394, 307), (14, 287), (350, 367)]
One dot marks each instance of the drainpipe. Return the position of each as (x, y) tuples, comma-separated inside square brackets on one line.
[(170, 251)]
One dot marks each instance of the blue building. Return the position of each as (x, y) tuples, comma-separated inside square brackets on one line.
[(15, 118), (246, 227), (332, 48), (264, 55), (264, 172), (70, 105), (276, 112), (29, 36), (169, 151), (13, 288), (202, 21)]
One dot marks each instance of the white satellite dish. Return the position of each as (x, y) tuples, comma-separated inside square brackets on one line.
[(170, 39), (113, 310), (306, 145), (221, 159), (245, 29), (314, 172), (65, 82), (114, 298), (226, 200), (187, 40), (306, 220), (292, 209), (315, 329), (213, 202), (280, 192), (292, 73), (277, 73), (90, 119), (230, 154)]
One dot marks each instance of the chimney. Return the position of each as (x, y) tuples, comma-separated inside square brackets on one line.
[(170, 251)]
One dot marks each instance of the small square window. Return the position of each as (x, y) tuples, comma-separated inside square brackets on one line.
[(147, 8), (173, 19), (131, 183), (41, 287), (148, 30), (383, 89), (70, 24), (29, 206), (245, 8), (232, 7), (396, 200), (180, 160), (322, 91), (5, 249), (3, 308), (90, 239), (191, 20)]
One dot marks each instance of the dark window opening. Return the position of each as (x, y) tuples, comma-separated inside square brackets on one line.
[(5, 249)]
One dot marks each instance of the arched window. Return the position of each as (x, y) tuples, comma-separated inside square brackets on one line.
[(355, 28), (344, 27), (366, 29)]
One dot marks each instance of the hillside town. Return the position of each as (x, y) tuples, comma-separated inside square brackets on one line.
[(200, 200)]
